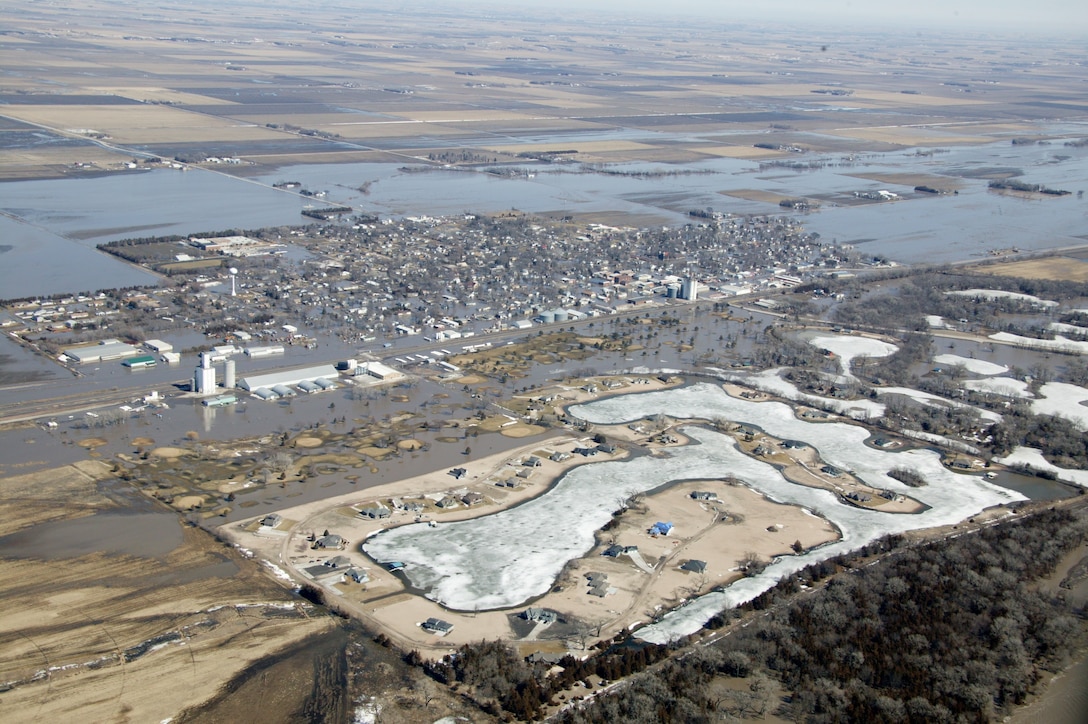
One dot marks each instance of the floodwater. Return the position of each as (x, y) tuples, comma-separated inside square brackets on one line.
[(45, 217), (50, 228), (148, 535), (36, 261)]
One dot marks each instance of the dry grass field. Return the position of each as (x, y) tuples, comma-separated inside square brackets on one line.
[(109, 636), (170, 83), (944, 183), (1062, 268)]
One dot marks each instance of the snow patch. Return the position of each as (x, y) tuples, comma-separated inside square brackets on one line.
[(1005, 386), (974, 366), (1061, 399), (277, 571), (991, 294), (928, 398), (1067, 328), (848, 347), (1033, 458), (1058, 344), (770, 381)]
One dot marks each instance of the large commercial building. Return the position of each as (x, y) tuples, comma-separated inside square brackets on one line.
[(104, 351), (290, 378)]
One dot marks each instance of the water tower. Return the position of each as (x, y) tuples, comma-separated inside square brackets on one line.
[(233, 278)]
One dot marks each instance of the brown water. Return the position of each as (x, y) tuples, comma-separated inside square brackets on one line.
[(148, 535), (1065, 700)]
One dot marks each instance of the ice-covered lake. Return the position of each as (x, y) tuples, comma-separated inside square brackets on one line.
[(508, 558)]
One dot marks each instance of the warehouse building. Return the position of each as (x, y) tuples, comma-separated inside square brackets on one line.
[(104, 351), (289, 378)]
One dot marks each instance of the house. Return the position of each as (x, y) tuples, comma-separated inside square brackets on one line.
[(694, 566), (458, 473), (532, 462), (394, 566), (271, 520), (558, 457), (358, 575), (330, 541), (338, 562), (793, 444), (437, 626), (447, 502), (607, 448), (377, 513), (830, 471), (526, 473), (614, 551), (598, 584), (471, 499), (540, 615), (703, 495), (660, 528)]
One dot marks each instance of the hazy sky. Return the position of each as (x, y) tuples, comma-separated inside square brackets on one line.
[(1059, 16)]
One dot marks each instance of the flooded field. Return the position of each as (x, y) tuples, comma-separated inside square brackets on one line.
[(50, 222), (151, 535)]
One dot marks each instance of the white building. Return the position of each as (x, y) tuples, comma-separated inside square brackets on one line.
[(289, 377), (382, 372), (104, 351)]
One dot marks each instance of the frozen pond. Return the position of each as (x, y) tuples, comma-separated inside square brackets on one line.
[(952, 497), (506, 559)]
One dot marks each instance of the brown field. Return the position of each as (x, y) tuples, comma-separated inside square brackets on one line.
[(945, 183), (662, 154), (579, 146), (107, 636), (140, 123), (1062, 268), (164, 95), (17, 163), (263, 68), (754, 195), (746, 152), (909, 136)]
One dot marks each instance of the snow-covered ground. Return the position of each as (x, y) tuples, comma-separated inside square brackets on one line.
[(991, 294), (1067, 328), (941, 440), (1005, 386), (928, 398), (771, 381), (1033, 458), (974, 366), (936, 321), (848, 347), (505, 559), (1062, 399), (1059, 343)]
